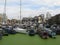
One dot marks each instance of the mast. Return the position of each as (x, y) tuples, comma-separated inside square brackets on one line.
[(4, 13), (20, 11), (5, 6)]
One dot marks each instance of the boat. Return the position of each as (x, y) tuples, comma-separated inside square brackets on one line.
[(20, 30)]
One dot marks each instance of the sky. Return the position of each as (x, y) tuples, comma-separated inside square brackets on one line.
[(30, 8)]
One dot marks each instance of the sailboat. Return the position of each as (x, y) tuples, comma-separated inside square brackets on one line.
[(18, 29)]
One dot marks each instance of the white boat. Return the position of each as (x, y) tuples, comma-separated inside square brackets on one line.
[(20, 30)]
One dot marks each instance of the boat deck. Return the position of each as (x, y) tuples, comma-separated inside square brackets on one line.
[(22, 39)]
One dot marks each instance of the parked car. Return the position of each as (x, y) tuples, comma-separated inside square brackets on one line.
[(8, 30), (58, 30), (50, 33), (1, 34), (43, 34), (4, 32), (31, 32)]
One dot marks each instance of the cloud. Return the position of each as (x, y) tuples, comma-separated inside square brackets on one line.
[(30, 7), (47, 2)]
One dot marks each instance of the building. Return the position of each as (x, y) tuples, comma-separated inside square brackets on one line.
[(1, 18), (48, 15), (40, 19), (54, 20), (4, 18)]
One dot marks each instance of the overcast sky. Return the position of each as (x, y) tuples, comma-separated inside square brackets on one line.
[(30, 7)]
